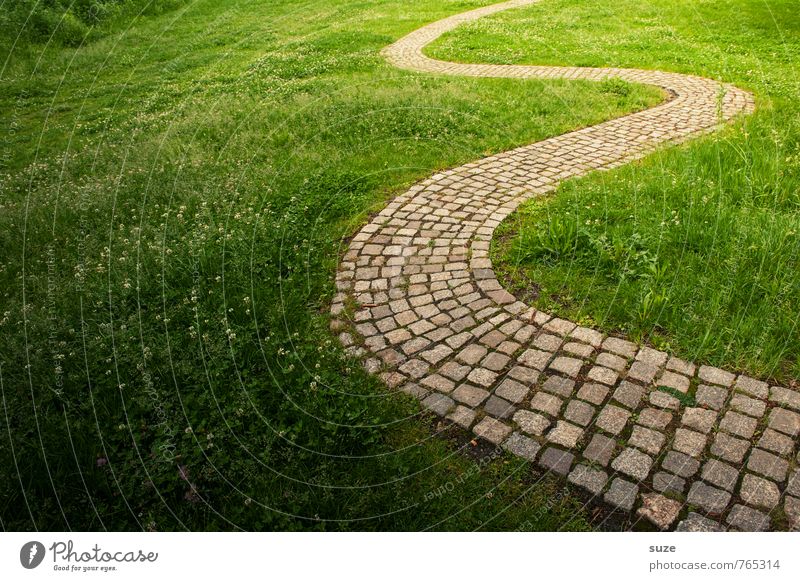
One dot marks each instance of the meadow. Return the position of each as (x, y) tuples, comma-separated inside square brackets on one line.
[(177, 183)]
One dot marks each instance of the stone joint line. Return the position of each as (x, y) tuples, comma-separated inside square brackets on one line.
[(419, 303)]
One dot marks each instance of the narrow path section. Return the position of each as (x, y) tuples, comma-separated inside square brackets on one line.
[(686, 446)]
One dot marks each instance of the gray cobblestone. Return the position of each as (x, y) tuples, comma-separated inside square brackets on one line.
[(567, 365), (785, 421), (752, 387), (653, 418), (560, 386), (599, 450), (593, 393), (546, 403), (712, 500), (720, 475), (776, 442), (628, 394), (716, 376), (689, 442), (612, 419), (738, 425), (513, 391), (603, 375), (438, 403), (648, 440), (659, 510), (758, 492), (463, 416), (745, 518), (472, 396), (680, 464), (696, 523), (711, 396), (522, 446), (785, 397), (633, 463), (729, 448), (556, 460), (748, 405), (579, 413), (768, 465), (622, 494), (699, 419), (668, 483), (565, 434), (588, 478)]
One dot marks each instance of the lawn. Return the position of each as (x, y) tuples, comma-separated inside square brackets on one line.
[(695, 249), (176, 188)]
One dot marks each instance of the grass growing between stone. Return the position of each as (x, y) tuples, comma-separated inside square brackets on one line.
[(695, 249), (174, 195)]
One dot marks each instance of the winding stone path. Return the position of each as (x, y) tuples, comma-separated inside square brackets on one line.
[(419, 302)]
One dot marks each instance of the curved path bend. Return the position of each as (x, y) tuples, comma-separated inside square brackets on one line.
[(419, 302)]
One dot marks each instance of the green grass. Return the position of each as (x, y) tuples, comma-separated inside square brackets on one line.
[(174, 199), (695, 249)]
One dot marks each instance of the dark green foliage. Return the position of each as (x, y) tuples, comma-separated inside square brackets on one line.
[(70, 22)]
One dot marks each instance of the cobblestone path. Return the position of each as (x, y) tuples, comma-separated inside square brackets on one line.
[(686, 446)]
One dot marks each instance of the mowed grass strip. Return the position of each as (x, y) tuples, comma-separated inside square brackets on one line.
[(695, 249), (174, 198)]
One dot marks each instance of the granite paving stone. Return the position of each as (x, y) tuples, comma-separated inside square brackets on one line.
[(654, 418), (747, 519), (699, 419), (711, 396), (759, 492), (785, 421), (689, 442), (546, 403), (565, 434), (472, 396), (622, 494), (646, 439), (522, 446), (599, 449), (729, 448), (680, 464), (776, 442), (556, 460), (768, 464), (738, 425), (720, 474), (668, 483), (560, 386), (593, 393), (531, 423), (492, 429), (711, 499), (612, 419), (697, 523), (628, 394), (579, 413), (633, 463), (588, 478), (659, 510)]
